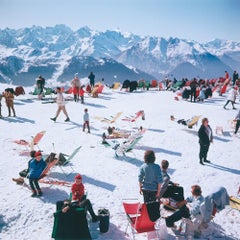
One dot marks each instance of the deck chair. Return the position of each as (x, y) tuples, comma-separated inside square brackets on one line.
[(128, 144), (47, 169), (65, 159), (34, 142), (138, 218), (110, 120), (134, 118)]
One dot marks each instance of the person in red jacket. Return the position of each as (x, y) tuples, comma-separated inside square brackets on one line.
[(77, 189), (81, 94), (79, 199)]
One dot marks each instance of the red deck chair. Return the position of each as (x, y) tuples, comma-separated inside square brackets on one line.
[(137, 115), (138, 218), (154, 83), (30, 145)]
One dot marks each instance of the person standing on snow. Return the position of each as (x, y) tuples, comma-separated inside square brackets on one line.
[(205, 138), (76, 84), (86, 120), (61, 105), (91, 78)]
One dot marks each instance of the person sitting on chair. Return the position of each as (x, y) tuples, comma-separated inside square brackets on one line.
[(170, 189), (188, 207), (23, 174), (78, 199)]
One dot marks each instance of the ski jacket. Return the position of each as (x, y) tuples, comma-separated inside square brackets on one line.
[(77, 191), (36, 168)]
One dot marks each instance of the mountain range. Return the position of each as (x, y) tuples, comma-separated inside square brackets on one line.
[(58, 52)]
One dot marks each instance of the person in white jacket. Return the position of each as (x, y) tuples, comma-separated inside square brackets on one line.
[(231, 97), (61, 105)]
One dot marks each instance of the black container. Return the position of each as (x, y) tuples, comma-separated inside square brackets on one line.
[(104, 216)]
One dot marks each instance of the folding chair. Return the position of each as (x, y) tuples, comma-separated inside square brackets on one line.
[(127, 145), (138, 218), (65, 159), (134, 118), (30, 145)]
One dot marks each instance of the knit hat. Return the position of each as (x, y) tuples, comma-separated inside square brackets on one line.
[(78, 176), (38, 153)]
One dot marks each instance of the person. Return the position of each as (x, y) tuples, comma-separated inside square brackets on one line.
[(0, 105), (170, 189), (79, 199), (76, 84), (81, 94), (40, 85), (231, 97), (150, 178), (237, 119), (23, 174), (189, 207), (193, 86), (36, 167), (202, 95), (205, 138), (226, 75), (9, 98), (86, 120), (91, 78), (235, 77), (61, 106)]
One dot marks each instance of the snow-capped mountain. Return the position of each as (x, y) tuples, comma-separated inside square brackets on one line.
[(58, 52)]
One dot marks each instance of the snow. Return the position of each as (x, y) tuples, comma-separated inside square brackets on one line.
[(109, 179)]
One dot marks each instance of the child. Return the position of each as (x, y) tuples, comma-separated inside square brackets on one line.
[(36, 167), (86, 120), (81, 94), (77, 189), (78, 199)]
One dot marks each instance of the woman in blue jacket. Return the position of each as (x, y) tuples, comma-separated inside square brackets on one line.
[(37, 165)]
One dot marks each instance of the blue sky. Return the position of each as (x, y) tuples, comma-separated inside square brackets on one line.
[(200, 20)]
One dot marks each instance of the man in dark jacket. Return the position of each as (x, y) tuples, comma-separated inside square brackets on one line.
[(193, 86), (205, 138)]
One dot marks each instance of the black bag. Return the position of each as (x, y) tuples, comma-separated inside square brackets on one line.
[(104, 215), (153, 209)]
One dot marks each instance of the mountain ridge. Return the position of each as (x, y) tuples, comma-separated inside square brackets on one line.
[(28, 52)]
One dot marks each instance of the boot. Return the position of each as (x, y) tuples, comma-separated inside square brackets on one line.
[(67, 119), (54, 119), (207, 161), (39, 193), (201, 162), (34, 194)]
